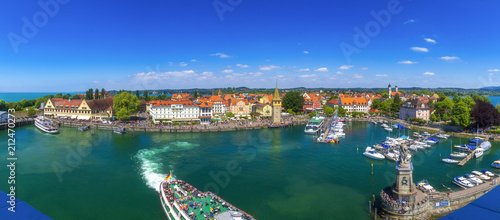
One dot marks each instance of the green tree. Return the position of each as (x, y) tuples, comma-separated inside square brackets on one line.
[(290, 111), (145, 94), (460, 115), (3, 105), (230, 115), (312, 114), (375, 104), (137, 93), (67, 96), (125, 104), (328, 111), (195, 95), (59, 95), (293, 100), (24, 103), (102, 93), (497, 107), (39, 101), (396, 103), (96, 94), (31, 112), (75, 96), (443, 109), (341, 111)]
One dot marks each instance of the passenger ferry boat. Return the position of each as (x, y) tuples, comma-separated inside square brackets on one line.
[(180, 200), (313, 125), (46, 125)]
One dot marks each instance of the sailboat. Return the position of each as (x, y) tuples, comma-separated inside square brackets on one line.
[(456, 154), (389, 128)]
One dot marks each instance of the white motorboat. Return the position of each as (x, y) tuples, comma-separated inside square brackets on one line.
[(442, 136), (388, 129), (461, 181), (431, 140), (339, 134), (426, 133), (450, 160), (391, 156), (458, 155), (425, 186), (479, 153), (488, 173), (384, 125), (496, 164), (480, 175), (473, 179), (413, 147), (372, 153)]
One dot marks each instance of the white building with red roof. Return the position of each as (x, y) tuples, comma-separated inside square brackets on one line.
[(174, 111)]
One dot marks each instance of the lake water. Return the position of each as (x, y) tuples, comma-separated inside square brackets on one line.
[(281, 173)]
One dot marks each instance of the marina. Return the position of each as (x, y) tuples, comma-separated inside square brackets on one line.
[(298, 171)]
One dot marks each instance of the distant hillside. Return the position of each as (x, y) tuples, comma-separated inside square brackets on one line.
[(490, 87)]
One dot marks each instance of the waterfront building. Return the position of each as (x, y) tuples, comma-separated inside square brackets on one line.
[(333, 103), (219, 106), (174, 111), (181, 96), (94, 109), (276, 116), (311, 104), (263, 110), (354, 104), (414, 108), (239, 107), (205, 112)]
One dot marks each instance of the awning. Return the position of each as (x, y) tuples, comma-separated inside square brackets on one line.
[(74, 116), (84, 117)]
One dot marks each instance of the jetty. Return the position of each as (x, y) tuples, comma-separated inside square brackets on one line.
[(471, 155)]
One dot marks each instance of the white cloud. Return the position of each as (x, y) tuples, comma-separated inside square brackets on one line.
[(220, 55), (306, 52), (242, 66), (407, 62), (194, 60), (494, 70), (338, 72), (364, 68), (269, 67), (358, 76), (165, 75), (381, 75), (183, 64), (205, 75), (308, 76), (255, 73), (419, 49), (96, 81), (429, 73), (322, 69), (409, 21), (303, 70), (345, 67), (227, 71), (428, 40), (448, 58), (491, 74)]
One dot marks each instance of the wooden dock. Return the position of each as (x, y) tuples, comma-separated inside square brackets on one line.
[(466, 159), (327, 125), (482, 187)]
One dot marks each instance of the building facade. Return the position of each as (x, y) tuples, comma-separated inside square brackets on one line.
[(414, 108), (239, 107), (174, 111), (96, 109), (354, 104), (205, 113), (219, 106)]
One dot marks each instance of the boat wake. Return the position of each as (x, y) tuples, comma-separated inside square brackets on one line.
[(151, 162)]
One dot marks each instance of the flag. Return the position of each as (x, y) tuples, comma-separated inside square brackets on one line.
[(168, 177)]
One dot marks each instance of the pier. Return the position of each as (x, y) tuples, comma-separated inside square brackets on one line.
[(18, 123), (466, 159)]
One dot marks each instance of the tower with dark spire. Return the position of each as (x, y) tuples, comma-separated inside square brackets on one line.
[(389, 90), (276, 104)]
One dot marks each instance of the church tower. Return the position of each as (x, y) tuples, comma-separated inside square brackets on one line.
[(276, 104), (389, 90), (396, 88)]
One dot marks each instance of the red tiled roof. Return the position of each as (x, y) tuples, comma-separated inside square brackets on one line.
[(334, 101), (206, 105), (65, 102), (170, 102), (216, 98)]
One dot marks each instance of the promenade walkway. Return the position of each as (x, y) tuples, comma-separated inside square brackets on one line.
[(483, 187)]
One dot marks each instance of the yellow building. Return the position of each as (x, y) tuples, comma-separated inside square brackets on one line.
[(239, 107), (264, 110), (98, 109)]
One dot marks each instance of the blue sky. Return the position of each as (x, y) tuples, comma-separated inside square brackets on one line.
[(173, 44)]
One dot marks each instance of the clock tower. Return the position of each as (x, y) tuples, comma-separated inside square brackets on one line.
[(276, 103), (404, 189)]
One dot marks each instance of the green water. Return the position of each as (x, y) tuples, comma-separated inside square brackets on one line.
[(271, 174)]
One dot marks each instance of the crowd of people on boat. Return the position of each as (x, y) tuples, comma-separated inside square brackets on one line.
[(188, 199)]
